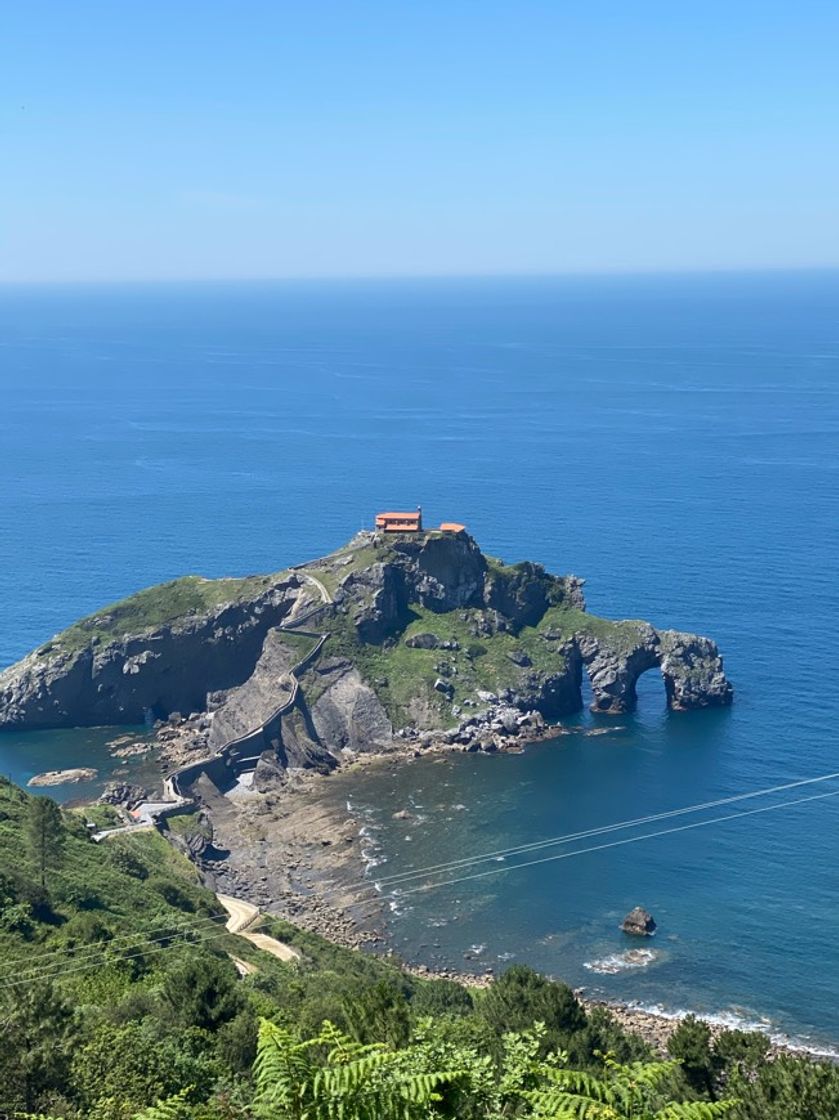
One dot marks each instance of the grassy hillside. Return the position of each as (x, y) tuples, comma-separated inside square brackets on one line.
[(402, 674), (157, 606), (118, 988)]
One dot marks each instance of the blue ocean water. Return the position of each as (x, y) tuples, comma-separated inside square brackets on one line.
[(674, 440)]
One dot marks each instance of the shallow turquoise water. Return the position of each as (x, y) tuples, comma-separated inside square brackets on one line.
[(674, 440)]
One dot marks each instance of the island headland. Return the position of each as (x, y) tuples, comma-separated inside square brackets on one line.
[(403, 641), (398, 634)]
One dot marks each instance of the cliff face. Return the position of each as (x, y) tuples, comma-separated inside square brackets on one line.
[(160, 670), (423, 633)]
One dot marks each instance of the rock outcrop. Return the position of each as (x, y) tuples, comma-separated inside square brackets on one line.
[(154, 672), (423, 634), (348, 714), (268, 687), (691, 666), (639, 922)]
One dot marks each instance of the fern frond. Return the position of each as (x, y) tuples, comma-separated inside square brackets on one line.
[(576, 1081), (554, 1104), (173, 1108), (420, 1088), (696, 1110)]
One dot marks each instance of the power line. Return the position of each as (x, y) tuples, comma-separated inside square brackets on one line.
[(626, 840), (55, 974), (51, 972), (390, 880), (137, 937)]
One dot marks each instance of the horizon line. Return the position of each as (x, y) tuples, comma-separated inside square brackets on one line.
[(407, 277)]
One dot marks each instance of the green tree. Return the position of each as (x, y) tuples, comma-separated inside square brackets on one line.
[(36, 1037), (787, 1088), (521, 997), (690, 1045), (44, 835), (201, 991), (121, 1069), (378, 1013)]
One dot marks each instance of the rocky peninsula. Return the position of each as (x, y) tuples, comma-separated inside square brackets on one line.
[(393, 646), (418, 636)]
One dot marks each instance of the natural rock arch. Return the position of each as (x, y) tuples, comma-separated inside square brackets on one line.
[(690, 665)]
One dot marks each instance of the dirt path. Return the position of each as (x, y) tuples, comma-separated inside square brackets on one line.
[(324, 594), (242, 917)]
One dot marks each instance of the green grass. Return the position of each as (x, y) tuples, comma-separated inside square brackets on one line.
[(157, 606), (620, 636), (334, 569), (188, 824), (481, 662), (105, 816), (127, 885)]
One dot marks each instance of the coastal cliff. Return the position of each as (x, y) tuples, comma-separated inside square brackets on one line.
[(418, 637)]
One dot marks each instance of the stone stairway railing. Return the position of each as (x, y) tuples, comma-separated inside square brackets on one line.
[(177, 778)]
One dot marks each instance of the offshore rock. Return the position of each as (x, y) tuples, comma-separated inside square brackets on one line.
[(693, 672), (639, 922)]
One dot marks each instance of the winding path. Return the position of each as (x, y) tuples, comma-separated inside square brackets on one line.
[(242, 917), (147, 814)]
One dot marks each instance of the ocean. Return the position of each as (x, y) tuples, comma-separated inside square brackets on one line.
[(674, 440)]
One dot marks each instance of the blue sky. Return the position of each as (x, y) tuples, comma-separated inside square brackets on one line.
[(145, 140)]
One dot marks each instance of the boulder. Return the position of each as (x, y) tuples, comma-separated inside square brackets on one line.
[(423, 641), (123, 793), (639, 922)]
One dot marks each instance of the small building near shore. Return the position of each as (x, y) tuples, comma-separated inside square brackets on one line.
[(400, 522), (452, 527)]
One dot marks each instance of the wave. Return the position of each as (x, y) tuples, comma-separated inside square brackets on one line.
[(741, 1019), (623, 962)]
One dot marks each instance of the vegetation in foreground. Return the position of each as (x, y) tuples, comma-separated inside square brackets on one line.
[(119, 997)]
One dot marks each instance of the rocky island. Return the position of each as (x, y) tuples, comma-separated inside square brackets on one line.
[(399, 643), (397, 637)]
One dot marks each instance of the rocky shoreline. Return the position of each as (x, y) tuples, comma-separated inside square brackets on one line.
[(297, 855)]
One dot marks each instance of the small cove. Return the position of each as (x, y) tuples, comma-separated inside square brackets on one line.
[(22, 755)]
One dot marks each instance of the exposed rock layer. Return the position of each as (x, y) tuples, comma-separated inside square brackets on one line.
[(171, 668)]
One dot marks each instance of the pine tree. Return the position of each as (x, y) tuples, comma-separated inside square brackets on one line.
[(44, 835)]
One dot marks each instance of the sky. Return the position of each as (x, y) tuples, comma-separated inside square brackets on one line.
[(142, 139)]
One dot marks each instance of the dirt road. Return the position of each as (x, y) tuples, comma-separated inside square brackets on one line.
[(242, 917)]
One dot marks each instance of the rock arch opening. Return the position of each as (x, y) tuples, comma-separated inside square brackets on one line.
[(690, 666)]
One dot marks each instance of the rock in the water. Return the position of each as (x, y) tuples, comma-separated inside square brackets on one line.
[(639, 922), (62, 777), (690, 665), (123, 793)]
